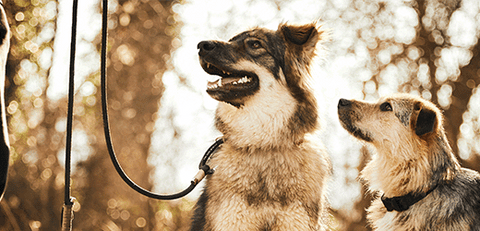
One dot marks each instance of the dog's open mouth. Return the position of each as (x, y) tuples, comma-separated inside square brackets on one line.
[(230, 83)]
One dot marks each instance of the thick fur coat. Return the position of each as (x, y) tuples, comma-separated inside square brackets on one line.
[(270, 173), (412, 159)]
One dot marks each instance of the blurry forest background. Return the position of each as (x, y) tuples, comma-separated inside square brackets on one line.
[(162, 120)]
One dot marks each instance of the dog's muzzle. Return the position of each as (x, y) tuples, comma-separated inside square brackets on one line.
[(347, 116), (231, 85)]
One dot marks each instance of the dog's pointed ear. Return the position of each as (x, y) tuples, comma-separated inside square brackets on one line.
[(303, 35), (425, 121)]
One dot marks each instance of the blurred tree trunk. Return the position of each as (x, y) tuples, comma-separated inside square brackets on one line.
[(460, 97), (425, 42), (138, 50)]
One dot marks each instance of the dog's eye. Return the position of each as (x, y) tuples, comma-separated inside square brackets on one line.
[(254, 44), (386, 107)]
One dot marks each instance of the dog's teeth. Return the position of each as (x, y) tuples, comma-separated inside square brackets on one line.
[(214, 84), (208, 65), (244, 80)]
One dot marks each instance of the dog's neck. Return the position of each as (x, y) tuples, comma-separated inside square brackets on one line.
[(265, 120), (395, 175), (263, 126)]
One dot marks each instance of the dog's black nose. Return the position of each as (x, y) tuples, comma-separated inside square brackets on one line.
[(344, 103), (205, 46)]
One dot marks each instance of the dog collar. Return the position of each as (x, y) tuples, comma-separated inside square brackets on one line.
[(403, 203)]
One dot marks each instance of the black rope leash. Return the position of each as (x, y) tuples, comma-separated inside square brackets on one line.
[(67, 212), (204, 169), (67, 209)]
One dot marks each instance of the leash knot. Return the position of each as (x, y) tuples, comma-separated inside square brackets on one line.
[(203, 168)]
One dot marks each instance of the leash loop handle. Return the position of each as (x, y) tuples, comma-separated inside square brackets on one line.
[(204, 169)]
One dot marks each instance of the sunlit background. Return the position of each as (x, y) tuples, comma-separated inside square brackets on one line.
[(162, 119)]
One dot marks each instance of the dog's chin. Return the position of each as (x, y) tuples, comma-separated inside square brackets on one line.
[(231, 86), (360, 134), (229, 97)]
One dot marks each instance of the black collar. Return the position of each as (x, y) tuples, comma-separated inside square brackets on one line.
[(402, 203)]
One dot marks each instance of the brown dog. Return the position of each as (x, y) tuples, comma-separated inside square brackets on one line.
[(421, 184), (269, 174)]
